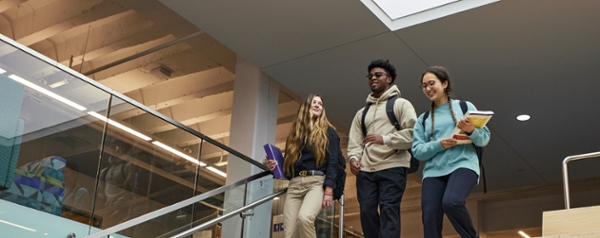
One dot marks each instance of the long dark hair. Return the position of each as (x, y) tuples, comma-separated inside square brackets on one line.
[(307, 131)]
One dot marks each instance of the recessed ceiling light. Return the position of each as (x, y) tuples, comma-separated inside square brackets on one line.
[(523, 117)]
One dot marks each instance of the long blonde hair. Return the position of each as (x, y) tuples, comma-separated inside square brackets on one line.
[(307, 132)]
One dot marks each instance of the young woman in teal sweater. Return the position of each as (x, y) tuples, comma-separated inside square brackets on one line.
[(451, 171)]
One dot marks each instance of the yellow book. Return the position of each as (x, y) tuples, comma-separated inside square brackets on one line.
[(479, 120)]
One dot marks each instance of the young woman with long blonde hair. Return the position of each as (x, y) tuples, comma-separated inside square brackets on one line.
[(310, 159)]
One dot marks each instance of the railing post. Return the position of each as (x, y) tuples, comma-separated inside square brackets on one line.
[(565, 168), (566, 173), (341, 218)]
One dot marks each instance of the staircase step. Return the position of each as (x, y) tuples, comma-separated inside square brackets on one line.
[(580, 235), (572, 222)]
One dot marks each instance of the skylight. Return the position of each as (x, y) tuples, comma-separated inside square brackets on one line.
[(398, 14), (400, 8)]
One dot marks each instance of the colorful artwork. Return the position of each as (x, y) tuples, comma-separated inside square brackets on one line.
[(38, 185)]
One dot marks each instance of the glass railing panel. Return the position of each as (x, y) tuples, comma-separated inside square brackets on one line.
[(229, 223), (112, 160), (186, 217), (213, 231), (348, 232), (144, 170), (216, 159), (54, 145), (325, 223)]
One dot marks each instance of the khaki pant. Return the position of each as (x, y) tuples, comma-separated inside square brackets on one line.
[(302, 205)]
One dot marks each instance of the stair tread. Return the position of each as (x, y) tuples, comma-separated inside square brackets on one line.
[(578, 235), (572, 222)]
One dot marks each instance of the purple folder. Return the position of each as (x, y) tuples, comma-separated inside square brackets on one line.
[(274, 153)]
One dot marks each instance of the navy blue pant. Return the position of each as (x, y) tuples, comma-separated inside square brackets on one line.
[(383, 190), (448, 195)]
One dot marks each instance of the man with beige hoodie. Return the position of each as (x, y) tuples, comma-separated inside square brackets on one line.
[(380, 159)]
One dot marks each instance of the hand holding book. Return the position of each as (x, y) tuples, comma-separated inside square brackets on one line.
[(478, 119), (274, 154)]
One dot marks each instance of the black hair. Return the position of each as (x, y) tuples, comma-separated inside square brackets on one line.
[(442, 74), (385, 65)]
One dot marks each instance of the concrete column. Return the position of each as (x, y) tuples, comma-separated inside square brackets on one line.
[(253, 124)]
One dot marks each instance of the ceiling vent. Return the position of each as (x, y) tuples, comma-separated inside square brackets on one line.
[(161, 72)]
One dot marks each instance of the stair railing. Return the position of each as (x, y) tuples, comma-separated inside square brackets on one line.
[(175, 207), (566, 172), (229, 215)]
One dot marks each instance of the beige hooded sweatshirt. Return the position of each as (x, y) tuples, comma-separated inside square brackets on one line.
[(393, 152)]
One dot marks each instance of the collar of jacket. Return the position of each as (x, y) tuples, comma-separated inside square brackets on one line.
[(393, 90)]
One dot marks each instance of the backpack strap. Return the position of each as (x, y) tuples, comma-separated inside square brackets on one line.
[(425, 116), (362, 123), (389, 109), (478, 149), (463, 106)]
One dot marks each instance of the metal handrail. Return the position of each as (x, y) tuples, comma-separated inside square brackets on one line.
[(566, 172), (229, 215), (174, 207)]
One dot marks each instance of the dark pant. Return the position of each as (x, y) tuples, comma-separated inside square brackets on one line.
[(448, 195), (381, 189)]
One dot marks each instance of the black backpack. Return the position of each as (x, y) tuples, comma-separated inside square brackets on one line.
[(389, 109), (478, 149), (340, 181)]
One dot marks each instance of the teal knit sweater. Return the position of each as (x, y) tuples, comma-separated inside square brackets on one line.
[(440, 161)]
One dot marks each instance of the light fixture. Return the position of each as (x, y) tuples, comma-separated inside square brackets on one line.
[(523, 117), (276, 198), (46, 92), (2, 71), (161, 72), (221, 162), (59, 83), (216, 171), (523, 234), (180, 214), (18, 226), (178, 153), (120, 126)]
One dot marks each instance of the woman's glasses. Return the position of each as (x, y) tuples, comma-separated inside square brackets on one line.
[(376, 74), (429, 84)]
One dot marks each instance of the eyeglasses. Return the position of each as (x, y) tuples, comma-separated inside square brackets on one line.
[(429, 84), (376, 74)]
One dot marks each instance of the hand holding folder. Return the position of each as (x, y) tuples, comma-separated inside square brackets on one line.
[(274, 153)]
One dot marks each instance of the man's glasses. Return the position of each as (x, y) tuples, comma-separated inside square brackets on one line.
[(376, 74), (429, 84)]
